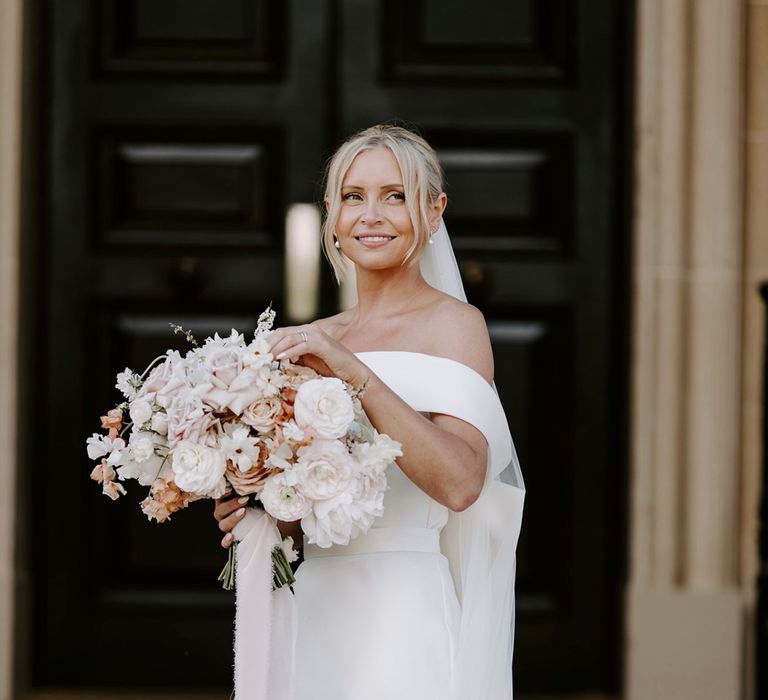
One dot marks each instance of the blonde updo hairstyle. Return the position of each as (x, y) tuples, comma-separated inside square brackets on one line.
[(422, 181)]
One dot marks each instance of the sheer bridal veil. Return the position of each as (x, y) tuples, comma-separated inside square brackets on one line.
[(480, 542)]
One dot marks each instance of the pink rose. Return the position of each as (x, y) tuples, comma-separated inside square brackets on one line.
[(261, 414), (244, 389)]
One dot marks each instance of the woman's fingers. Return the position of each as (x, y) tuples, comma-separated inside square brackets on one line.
[(227, 540), (227, 523), (225, 507), (290, 341)]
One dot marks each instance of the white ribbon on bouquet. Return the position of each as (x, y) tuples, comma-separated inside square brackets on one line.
[(265, 620)]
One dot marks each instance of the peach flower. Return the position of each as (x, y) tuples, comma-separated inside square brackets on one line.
[(165, 498), (113, 489), (250, 481), (104, 474), (263, 413), (113, 420)]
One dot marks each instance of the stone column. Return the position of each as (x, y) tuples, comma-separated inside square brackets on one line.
[(755, 272), (684, 606), (10, 203)]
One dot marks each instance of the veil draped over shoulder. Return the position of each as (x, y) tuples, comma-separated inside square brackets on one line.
[(480, 542)]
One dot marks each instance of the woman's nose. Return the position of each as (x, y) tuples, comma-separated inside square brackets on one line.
[(372, 212)]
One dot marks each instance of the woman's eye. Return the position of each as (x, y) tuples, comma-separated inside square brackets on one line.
[(354, 196), (398, 195)]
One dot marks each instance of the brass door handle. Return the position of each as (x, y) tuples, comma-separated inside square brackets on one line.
[(302, 262)]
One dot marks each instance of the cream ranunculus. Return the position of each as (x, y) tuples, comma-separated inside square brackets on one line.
[(329, 522), (282, 501), (324, 408), (199, 469), (325, 469)]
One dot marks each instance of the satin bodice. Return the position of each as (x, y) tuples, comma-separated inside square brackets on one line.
[(406, 505)]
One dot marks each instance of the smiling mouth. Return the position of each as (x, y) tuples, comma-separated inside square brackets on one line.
[(368, 238)]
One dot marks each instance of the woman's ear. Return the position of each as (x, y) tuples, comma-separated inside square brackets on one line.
[(438, 207), (327, 203)]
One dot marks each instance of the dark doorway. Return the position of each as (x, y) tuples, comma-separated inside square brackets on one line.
[(176, 135)]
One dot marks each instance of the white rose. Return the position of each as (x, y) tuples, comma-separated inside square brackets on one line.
[(141, 445), (329, 522), (324, 407), (282, 501), (325, 468), (159, 423), (141, 412), (199, 469)]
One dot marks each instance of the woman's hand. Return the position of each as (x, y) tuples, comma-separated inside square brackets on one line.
[(229, 512), (311, 346)]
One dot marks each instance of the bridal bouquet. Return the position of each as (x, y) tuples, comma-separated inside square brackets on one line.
[(227, 415)]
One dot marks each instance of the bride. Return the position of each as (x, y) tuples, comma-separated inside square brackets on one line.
[(421, 607)]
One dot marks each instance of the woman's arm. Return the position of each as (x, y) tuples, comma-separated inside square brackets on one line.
[(445, 457)]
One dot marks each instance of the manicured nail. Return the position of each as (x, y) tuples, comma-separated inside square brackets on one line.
[(280, 356), (228, 537), (240, 512), (243, 500)]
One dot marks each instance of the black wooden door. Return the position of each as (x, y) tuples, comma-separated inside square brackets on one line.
[(180, 132), (523, 101)]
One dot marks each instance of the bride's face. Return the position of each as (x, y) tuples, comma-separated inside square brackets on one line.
[(374, 228)]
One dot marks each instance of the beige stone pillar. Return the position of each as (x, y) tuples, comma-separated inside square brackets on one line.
[(755, 272), (684, 607), (10, 198)]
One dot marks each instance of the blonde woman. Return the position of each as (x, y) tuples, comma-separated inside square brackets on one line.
[(422, 606)]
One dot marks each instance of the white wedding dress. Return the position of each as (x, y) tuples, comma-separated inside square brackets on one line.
[(381, 618), (422, 606)]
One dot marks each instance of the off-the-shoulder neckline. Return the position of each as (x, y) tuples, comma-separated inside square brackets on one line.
[(424, 354)]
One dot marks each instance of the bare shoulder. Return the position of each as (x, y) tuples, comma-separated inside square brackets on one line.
[(459, 332), (332, 324)]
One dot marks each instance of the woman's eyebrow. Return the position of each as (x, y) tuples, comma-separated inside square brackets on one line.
[(383, 187)]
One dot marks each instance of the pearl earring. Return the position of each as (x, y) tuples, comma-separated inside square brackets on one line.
[(336, 243), (430, 240)]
